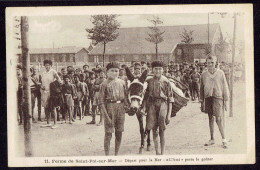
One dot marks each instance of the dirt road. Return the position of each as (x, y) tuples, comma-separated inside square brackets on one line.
[(186, 134)]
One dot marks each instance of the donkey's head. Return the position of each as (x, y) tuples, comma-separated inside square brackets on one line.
[(136, 90)]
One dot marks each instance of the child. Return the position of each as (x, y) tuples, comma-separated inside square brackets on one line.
[(195, 77), (56, 99), (112, 98), (158, 98), (95, 89), (80, 95), (68, 94), (214, 94), (86, 95), (90, 83), (35, 92)]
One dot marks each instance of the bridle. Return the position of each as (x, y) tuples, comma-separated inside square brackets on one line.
[(135, 96)]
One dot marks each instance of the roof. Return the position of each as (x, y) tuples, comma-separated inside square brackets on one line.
[(63, 50), (132, 40)]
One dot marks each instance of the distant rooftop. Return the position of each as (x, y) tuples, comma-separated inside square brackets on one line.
[(63, 50), (132, 40)]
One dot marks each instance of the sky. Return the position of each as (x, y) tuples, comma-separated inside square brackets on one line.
[(60, 31)]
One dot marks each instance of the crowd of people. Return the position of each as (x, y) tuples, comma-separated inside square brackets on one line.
[(75, 93)]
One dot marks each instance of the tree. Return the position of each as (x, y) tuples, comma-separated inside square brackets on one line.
[(105, 30), (155, 34), (187, 38)]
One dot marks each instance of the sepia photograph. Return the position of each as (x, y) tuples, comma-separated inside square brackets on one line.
[(130, 85)]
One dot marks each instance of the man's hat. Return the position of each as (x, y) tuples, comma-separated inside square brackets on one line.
[(112, 65), (185, 63), (157, 64)]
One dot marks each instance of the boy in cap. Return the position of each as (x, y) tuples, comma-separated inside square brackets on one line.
[(214, 92), (158, 98), (112, 99)]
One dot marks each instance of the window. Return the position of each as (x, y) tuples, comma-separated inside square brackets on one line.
[(56, 58), (32, 58), (161, 57), (112, 58), (71, 56), (63, 56), (122, 58), (36, 58), (96, 59)]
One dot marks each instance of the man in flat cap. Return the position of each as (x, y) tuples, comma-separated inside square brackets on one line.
[(112, 99), (158, 101)]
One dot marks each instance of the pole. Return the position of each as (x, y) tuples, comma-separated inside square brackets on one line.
[(104, 54), (208, 28), (232, 68), (27, 109)]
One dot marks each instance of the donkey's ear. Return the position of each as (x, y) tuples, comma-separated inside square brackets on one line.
[(129, 74), (143, 76)]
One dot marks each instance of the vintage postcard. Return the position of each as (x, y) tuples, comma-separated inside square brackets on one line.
[(130, 85)]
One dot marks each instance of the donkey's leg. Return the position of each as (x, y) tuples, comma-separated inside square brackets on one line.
[(140, 120), (149, 148)]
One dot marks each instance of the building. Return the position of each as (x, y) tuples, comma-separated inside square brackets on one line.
[(70, 55), (131, 45)]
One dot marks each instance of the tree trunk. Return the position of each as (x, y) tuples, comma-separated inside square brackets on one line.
[(104, 54), (27, 109), (232, 68)]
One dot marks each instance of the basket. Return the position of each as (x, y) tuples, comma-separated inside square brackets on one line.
[(179, 102)]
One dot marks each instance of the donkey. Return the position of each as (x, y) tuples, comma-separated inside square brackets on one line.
[(136, 91)]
